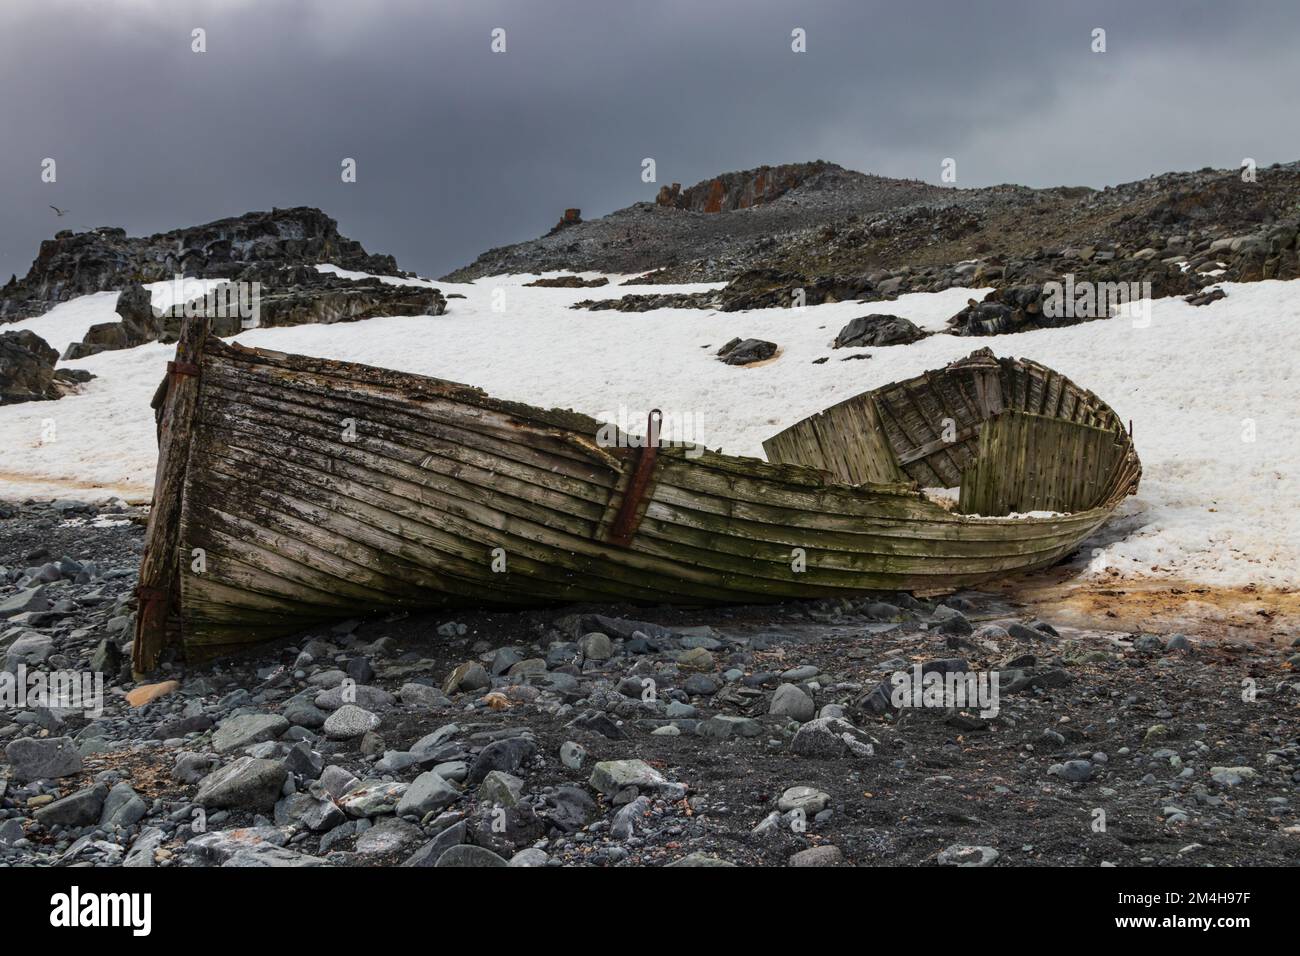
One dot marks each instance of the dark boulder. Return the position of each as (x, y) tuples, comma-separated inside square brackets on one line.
[(746, 351), (139, 322), (878, 330), (26, 368), (289, 296)]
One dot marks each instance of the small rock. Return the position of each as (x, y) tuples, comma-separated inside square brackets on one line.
[(963, 855), (818, 856), (791, 701), (428, 792), (350, 722), (808, 799), (235, 733)]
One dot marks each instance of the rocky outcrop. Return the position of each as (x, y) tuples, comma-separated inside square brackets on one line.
[(1063, 289), (568, 282), (878, 330), (140, 322), (746, 351), (296, 296), (27, 372), (343, 300), (77, 263), (571, 217), (26, 368), (741, 190), (756, 289)]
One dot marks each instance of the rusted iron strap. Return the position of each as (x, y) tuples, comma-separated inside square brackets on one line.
[(151, 594), (627, 520), (182, 368)]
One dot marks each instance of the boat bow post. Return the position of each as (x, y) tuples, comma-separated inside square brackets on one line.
[(157, 593)]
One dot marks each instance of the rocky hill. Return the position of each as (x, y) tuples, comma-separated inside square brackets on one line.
[(710, 229), (819, 220), (822, 233), (77, 263)]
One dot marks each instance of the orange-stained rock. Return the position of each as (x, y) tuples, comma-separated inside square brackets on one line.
[(145, 693)]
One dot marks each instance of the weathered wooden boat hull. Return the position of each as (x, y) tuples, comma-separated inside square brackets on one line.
[(293, 491)]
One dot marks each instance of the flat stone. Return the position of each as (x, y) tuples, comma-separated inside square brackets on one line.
[(805, 672), (217, 846), (246, 783), (427, 793), (302, 713), (235, 733), (432, 742), (80, 809), (48, 758), (29, 599), (522, 670)]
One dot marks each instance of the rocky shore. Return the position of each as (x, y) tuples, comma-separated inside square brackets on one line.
[(621, 736)]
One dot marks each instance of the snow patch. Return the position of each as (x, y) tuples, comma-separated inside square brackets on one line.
[(1212, 391)]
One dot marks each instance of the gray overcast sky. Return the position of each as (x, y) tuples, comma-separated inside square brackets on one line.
[(460, 149)]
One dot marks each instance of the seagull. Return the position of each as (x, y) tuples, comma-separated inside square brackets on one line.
[(58, 212)]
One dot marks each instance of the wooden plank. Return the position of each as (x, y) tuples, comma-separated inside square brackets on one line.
[(159, 566)]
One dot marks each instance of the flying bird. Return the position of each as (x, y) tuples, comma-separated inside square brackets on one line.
[(57, 211)]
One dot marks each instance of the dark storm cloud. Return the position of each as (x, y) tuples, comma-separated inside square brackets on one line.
[(459, 149)]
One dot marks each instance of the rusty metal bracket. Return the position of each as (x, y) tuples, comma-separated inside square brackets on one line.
[(182, 368), (627, 520)]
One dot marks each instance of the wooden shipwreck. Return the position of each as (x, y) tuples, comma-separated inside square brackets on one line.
[(293, 491)]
